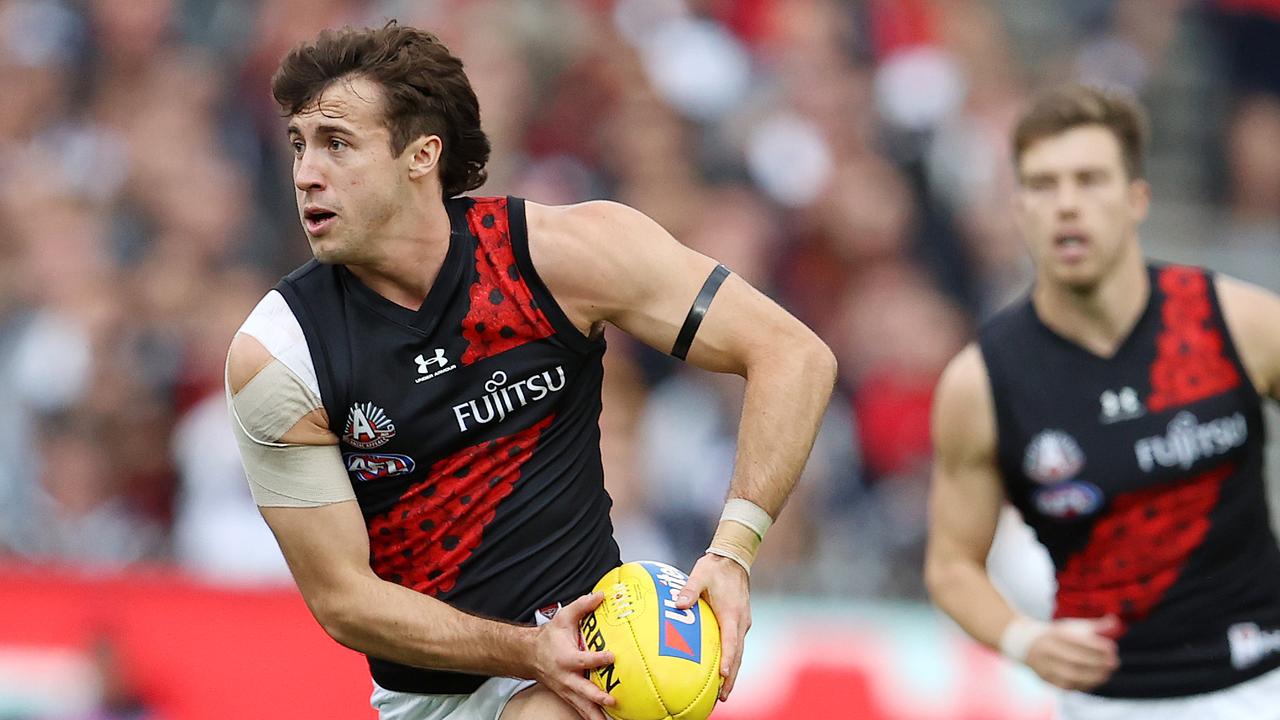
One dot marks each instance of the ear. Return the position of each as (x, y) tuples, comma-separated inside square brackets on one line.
[(424, 155), (1139, 198)]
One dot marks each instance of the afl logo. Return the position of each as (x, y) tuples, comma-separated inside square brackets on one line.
[(1052, 456), (368, 427), (373, 466)]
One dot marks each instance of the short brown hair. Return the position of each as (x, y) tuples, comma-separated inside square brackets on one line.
[(426, 91), (1070, 106)]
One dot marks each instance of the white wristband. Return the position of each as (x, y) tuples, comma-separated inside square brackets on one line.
[(1018, 637), (747, 513)]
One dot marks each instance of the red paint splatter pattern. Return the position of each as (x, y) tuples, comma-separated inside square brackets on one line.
[(438, 523), (1138, 549), (1190, 364), (503, 313)]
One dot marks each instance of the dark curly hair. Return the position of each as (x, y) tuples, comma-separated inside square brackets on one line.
[(426, 91)]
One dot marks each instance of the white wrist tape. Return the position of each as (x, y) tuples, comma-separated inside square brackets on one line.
[(747, 513), (742, 527), (1018, 637), (746, 564)]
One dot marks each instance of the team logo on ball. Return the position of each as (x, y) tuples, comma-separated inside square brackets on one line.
[(1052, 456), (368, 427)]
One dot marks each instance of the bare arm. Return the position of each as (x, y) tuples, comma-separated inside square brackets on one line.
[(1252, 316), (964, 507), (327, 549), (605, 262), (965, 501)]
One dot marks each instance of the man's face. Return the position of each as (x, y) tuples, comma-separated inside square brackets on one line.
[(1077, 206), (348, 184)]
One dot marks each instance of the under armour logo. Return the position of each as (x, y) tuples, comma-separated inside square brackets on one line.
[(424, 363)]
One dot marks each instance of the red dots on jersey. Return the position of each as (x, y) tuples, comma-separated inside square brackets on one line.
[(1137, 550), (503, 313), (1190, 364), (438, 523)]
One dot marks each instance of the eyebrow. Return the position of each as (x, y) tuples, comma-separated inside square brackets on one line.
[(325, 129)]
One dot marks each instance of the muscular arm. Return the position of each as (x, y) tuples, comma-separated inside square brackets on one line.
[(1253, 317), (964, 506), (327, 549), (965, 500), (605, 262)]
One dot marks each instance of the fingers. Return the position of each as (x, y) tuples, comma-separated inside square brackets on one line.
[(733, 633), (581, 607), (693, 589), (591, 660), (1108, 626)]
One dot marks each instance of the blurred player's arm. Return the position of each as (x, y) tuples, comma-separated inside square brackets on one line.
[(608, 263), (964, 507), (326, 545), (1251, 314)]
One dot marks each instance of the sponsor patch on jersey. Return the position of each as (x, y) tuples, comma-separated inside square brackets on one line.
[(366, 467), (679, 631), (1052, 456), (1188, 441), (1070, 499), (368, 427)]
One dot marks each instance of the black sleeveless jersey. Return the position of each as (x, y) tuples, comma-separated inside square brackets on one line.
[(1142, 475), (469, 428)]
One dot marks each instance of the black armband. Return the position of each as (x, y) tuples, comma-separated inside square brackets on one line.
[(699, 309)]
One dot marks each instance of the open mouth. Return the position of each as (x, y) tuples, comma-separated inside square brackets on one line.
[(318, 220)]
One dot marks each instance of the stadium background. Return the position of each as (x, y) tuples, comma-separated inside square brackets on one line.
[(847, 156)]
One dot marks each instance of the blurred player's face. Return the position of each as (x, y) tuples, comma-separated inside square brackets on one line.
[(349, 185), (1077, 206)]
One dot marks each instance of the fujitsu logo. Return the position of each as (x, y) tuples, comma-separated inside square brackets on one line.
[(1189, 440), (503, 398)]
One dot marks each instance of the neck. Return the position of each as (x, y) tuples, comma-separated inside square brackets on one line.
[(1098, 318), (410, 253)]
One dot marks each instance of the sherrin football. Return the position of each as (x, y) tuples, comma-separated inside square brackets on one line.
[(666, 660)]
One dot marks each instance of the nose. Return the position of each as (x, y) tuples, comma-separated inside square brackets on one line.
[(307, 173), (1068, 199)]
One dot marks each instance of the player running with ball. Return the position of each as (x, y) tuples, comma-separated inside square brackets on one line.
[(417, 408)]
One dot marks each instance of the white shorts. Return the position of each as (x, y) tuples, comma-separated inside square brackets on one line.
[(486, 703), (1256, 699)]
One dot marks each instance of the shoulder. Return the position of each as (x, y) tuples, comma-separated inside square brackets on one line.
[(597, 254), (963, 410), (271, 332), (1252, 316), (585, 232), (1243, 301)]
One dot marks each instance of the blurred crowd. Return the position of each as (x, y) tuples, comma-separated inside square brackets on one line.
[(849, 157)]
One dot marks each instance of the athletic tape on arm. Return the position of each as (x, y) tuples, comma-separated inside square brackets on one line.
[(740, 532), (280, 474), (684, 340)]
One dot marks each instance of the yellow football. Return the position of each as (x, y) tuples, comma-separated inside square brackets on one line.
[(666, 660)]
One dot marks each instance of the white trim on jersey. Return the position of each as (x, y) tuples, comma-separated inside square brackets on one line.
[(273, 324)]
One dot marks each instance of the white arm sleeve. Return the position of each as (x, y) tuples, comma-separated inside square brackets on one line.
[(281, 394)]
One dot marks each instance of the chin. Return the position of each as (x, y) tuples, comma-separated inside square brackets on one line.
[(329, 252), (1077, 279)]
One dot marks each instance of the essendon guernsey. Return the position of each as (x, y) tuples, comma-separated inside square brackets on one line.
[(469, 428), (1142, 475)]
